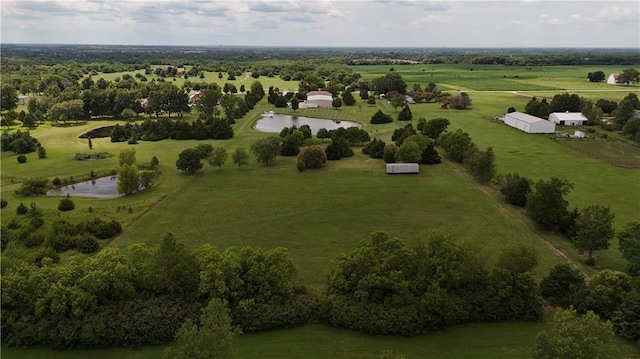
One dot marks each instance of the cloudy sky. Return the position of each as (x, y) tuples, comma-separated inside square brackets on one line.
[(381, 23)]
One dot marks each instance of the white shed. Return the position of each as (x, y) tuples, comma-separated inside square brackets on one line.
[(412, 168), (579, 134), (529, 124), (568, 118), (322, 99)]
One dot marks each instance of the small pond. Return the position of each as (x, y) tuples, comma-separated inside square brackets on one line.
[(275, 123), (103, 187)]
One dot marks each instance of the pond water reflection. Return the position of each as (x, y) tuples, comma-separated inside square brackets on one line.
[(103, 187), (275, 123)]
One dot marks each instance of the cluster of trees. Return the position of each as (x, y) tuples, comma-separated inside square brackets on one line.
[(142, 296), (29, 229), (386, 286), (612, 295), (460, 148), (130, 178), (628, 76), (19, 142), (165, 128)]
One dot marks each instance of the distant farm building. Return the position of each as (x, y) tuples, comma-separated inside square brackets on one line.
[(23, 100), (613, 79), (319, 99), (568, 118), (529, 124), (406, 168), (195, 97)]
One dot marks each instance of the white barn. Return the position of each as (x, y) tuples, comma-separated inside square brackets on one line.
[(529, 124), (568, 118), (613, 79), (322, 99)]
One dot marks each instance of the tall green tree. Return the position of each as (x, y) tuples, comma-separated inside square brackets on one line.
[(564, 286), (240, 157), (566, 102), (189, 160), (408, 152), (594, 229), (348, 99), (606, 291), (8, 98), (218, 157), (574, 336), (629, 76), (434, 127), (481, 164), (456, 144), (127, 156), (546, 205), (128, 179), (211, 338), (629, 242), (266, 150)]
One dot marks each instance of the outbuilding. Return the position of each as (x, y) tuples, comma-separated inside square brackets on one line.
[(568, 118), (529, 124), (319, 99), (23, 100), (406, 168)]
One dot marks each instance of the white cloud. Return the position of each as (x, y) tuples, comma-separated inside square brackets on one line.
[(474, 23)]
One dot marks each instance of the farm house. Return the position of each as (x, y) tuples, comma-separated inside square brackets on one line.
[(568, 118), (529, 124), (319, 99)]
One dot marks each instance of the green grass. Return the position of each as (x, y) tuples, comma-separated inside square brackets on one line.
[(496, 77), (478, 341), (321, 213)]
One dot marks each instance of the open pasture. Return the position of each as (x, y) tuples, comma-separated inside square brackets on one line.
[(495, 77), (318, 214)]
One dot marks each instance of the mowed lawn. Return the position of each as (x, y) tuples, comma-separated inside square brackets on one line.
[(472, 341)]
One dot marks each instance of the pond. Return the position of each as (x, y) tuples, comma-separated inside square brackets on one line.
[(271, 122), (103, 187)]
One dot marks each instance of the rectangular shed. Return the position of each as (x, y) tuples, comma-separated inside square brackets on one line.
[(568, 118), (394, 168), (530, 124)]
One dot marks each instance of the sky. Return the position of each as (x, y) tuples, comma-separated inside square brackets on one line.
[(325, 23)]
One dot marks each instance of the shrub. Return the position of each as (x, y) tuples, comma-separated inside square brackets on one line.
[(389, 153), (56, 181), (13, 224), (430, 155), (61, 242), (34, 239), (3, 203), (381, 117), (34, 186), (313, 156), (374, 148), (205, 149), (86, 243), (46, 252), (22, 209), (66, 204), (42, 152), (22, 158), (300, 166)]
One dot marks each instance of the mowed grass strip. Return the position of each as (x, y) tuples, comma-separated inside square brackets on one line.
[(472, 341)]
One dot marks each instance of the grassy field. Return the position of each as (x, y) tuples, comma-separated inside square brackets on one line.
[(319, 214), (479, 341), (496, 77)]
